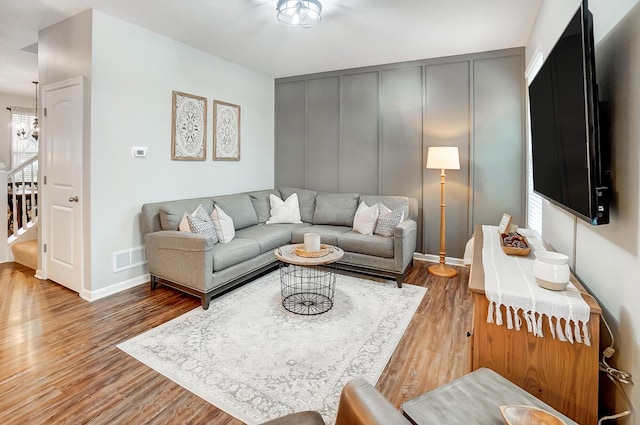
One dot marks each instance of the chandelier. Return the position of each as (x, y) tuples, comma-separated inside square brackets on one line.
[(299, 13), (23, 133)]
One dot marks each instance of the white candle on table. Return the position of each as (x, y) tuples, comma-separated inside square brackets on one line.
[(311, 242)]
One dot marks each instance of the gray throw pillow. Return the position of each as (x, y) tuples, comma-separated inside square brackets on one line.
[(388, 220), (200, 222)]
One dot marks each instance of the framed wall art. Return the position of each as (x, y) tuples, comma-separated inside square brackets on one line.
[(188, 127), (226, 131)]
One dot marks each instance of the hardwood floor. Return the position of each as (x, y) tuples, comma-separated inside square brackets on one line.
[(59, 363)]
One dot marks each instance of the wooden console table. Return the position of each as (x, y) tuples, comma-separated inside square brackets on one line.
[(561, 374)]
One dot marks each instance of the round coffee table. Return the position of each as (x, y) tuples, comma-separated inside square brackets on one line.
[(308, 279)]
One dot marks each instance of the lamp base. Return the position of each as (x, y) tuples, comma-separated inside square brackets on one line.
[(442, 270)]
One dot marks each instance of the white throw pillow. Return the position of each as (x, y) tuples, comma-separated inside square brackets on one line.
[(287, 211), (365, 220), (184, 224), (223, 224)]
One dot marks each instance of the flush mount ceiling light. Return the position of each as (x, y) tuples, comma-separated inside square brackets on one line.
[(299, 13)]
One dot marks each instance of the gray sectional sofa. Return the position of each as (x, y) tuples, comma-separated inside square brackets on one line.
[(194, 264)]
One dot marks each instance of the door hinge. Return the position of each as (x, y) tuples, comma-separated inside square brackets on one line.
[(45, 179), (44, 247), (45, 112)]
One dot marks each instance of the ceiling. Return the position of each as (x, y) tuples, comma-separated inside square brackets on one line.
[(352, 33)]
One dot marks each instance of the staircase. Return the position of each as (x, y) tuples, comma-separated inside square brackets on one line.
[(21, 204), (26, 253)]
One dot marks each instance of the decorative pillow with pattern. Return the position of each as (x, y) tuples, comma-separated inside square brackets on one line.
[(200, 222), (223, 224), (198, 212), (388, 220)]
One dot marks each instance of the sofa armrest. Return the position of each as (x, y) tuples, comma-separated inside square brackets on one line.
[(404, 243), (362, 404), (181, 257)]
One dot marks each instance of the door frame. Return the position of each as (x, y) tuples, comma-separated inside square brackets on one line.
[(45, 220)]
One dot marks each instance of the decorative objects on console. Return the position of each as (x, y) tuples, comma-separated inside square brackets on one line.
[(554, 354), (510, 284), (444, 158), (551, 270)]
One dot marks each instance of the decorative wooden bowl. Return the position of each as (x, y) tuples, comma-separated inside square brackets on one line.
[(508, 247), (529, 415), (300, 252)]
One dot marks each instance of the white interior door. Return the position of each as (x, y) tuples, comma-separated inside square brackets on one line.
[(62, 177)]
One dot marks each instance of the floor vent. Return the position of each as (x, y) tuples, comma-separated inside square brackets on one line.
[(123, 260)]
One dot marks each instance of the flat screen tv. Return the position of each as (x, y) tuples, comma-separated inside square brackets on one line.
[(570, 161)]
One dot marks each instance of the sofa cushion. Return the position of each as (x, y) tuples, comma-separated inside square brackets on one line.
[(306, 200), (239, 207), (375, 245), (234, 252), (268, 237), (337, 209), (328, 234), (260, 201), (172, 213), (223, 225)]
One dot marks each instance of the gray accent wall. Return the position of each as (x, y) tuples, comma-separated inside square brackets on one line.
[(368, 130)]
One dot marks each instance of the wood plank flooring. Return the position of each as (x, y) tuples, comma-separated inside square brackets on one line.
[(59, 363)]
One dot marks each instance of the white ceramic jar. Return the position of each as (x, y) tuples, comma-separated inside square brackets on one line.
[(551, 270), (311, 242)]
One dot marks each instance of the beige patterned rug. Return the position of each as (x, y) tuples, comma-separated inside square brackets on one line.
[(255, 360)]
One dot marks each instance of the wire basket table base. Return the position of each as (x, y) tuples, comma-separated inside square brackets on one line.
[(307, 290)]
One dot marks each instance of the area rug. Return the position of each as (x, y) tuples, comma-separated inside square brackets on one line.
[(255, 360)]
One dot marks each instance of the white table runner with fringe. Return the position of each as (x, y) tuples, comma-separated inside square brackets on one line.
[(509, 283)]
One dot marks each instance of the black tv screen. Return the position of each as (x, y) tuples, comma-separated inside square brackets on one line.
[(569, 166)]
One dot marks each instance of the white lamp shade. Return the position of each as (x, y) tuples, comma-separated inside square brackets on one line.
[(443, 158)]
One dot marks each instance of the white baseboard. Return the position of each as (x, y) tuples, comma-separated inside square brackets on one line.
[(115, 288), (435, 258)]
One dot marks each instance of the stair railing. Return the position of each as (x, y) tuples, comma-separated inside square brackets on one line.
[(22, 197)]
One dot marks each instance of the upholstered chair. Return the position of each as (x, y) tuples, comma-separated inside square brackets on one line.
[(360, 404)]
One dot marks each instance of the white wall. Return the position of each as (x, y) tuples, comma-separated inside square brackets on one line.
[(607, 258), (7, 100), (133, 74), (64, 52)]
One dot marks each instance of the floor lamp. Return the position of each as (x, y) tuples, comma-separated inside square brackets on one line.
[(444, 158)]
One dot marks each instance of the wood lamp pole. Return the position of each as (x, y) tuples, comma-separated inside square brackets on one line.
[(443, 158)]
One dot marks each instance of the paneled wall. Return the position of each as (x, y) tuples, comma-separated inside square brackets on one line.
[(367, 130)]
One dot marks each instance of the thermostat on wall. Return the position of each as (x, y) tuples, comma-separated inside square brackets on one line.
[(140, 151)]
